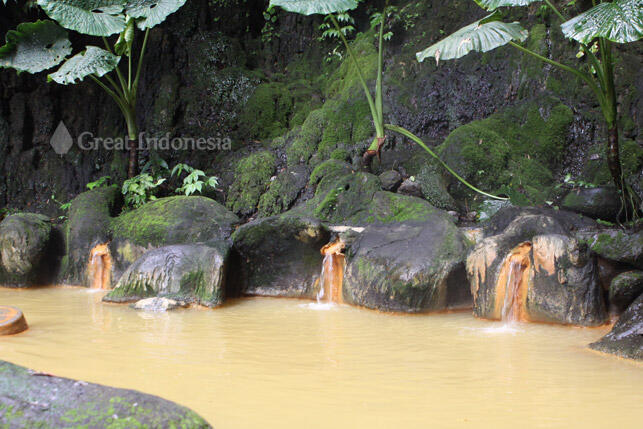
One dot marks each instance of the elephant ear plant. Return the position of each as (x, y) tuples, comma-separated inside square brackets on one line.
[(619, 21), (37, 46), (332, 8)]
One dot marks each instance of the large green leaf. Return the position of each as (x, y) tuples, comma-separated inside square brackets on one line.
[(481, 36), (310, 7), (149, 13), (123, 45), (93, 17), (495, 4), (35, 46), (94, 61), (620, 21)]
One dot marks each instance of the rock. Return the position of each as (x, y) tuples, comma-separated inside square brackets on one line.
[(598, 203), (626, 337), (283, 191), (190, 273), (252, 176), (618, 245), (434, 186), (88, 226), (488, 208), (157, 304), (408, 267), (12, 321), (391, 180), (29, 399), (167, 221), (279, 256), (411, 188), (535, 269), (625, 288), (27, 252)]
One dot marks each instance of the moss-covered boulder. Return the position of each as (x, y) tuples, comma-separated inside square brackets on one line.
[(279, 256), (408, 267), (532, 268), (626, 337), (27, 252), (283, 191), (391, 180), (598, 203), (624, 289), (167, 221), (27, 401), (619, 245), (192, 273), (87, 226), (252, 177)]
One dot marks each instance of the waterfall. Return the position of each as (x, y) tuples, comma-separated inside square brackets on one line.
[(513, 283), (332, 274), (99, 268)]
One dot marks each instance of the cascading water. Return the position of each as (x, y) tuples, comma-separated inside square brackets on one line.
[(99, 268), (332, 275), (514, 280)]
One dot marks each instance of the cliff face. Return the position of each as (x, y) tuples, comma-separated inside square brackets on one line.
[(215, 70)]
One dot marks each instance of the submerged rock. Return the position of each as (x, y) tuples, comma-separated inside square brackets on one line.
[(279, 256), (626, 337), (191, 273), (598, 203), (533, 269), (625, 288), (157, 304), (26, 253), (408, 267), (30, 399)]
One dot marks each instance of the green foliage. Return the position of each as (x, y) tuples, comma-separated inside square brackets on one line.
[(94, 61), (91, 17), (495, 4), (150, 13), (619, 21), (140, 189), (34, 47), (310, 7), (103, 181), (481, 36), (252, 177), (194, 181)]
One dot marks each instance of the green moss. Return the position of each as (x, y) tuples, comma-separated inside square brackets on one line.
[(282, 193), (340, 155), (331, 169), (267, 111), (305, 144), (252, 177)]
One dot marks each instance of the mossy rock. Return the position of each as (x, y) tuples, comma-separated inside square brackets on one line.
[(408, 267), (88, 225), (620, 246), (283, 191), (598, 203), (27, 256), (192, 273), (252, 177), (279, 256), (305, 143), (626, 337), (266, 113), (624, 289), (55, 402)]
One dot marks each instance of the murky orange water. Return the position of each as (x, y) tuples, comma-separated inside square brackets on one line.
[(264, 363)]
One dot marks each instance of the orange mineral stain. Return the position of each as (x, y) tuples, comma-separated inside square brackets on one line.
[(332, 277), (99, 269), (12, 321), (513, 284)]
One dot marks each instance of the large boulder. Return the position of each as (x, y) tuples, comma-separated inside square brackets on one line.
[(87, 226), (625, 288), (30, 401), (279, 256), (164, 222), (619, 245), (408, 267), (189, 273), (530, 267), (598, 203), (29, 253), (626, 337)]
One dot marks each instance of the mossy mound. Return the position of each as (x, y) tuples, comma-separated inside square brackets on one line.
[(283, 191), (620, 246), (514, 151), (55, 402), (252, 177)]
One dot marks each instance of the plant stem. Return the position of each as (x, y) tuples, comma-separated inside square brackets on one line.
[(419, 141), (140, 63), (556, 11)]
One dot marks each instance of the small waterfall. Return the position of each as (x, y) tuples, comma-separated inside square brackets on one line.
[(99, 268), (513, 283), (332, 275)]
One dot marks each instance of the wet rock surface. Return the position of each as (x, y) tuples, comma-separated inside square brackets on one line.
[(624, 289), (391, 180), (191, 273), (29, 250), (408, 267), (31, 399), (598, 203), (626, 337), (618, 245), (157, 304), (557, 277)]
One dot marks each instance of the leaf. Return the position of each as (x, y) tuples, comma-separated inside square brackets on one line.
[(123, 45), (150, 13), (481, 36), (94, 61), (620, 21), (495, 4), (310, 7), (92, 17), (35, 46)]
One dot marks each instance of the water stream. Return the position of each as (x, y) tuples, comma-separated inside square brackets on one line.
[(263, 362)]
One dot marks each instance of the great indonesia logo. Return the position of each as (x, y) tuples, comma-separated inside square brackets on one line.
[(62, 142)]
